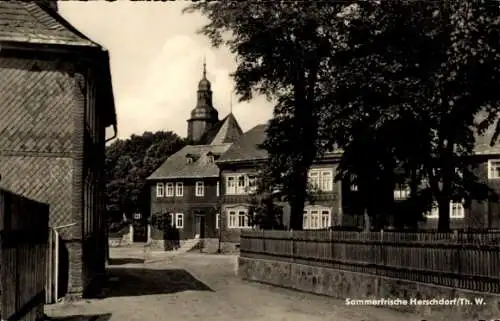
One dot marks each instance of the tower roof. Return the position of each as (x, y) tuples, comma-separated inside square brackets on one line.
[(204, 84), (204, 109)]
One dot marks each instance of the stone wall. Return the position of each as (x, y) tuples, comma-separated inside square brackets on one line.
[(351, 285)]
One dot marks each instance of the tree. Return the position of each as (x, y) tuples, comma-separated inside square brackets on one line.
[(128, 163), (418, 74), (281, 49)]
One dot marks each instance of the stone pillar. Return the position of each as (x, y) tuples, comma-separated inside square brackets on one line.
[(149, 234), (131, 233)]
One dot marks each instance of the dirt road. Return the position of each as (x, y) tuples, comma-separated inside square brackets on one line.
[(202, 287)]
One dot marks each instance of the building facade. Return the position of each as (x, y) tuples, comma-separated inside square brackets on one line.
[(57, 100), (186, 187), (335, 203), (239, 171)]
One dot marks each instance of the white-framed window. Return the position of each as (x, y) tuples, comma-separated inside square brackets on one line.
[(170, 190), (457, 210), (199, 189), (321, 179), (316, 218), (314, 179), (160, 190), (354, 188), (494, 169), (252, 183), (401, 192), (217, 190), (179, 189), (179, 220), (230, 185), (189, 160), (326, 181), (241, 185), (237, 218), (217, 221)]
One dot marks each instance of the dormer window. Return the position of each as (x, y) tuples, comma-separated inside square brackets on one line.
[(211, 157)]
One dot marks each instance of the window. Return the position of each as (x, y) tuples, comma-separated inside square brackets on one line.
[(494, 169), (354, 188), (217, 190), (179, 220), (230, 185), (237, 218), (457, 210), (252, 183), (241, 184), (217, 221), (211, 159), (321, 179), (200, 189), (159, 190), (314, 179), (170, 190), (326, 181), (179, 189), (189, 160), (316, 218), (401, 192)]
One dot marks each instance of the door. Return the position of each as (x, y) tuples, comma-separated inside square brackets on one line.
[(140, 230), (199, 226)]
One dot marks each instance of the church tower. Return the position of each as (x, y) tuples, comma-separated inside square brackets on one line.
[(204, 116)]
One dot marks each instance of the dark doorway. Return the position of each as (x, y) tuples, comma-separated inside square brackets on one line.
[(199, 225), (140, 230)]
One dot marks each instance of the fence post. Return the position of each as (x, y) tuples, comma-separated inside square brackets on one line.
[(381, 247), (292, 247), (457, 257)]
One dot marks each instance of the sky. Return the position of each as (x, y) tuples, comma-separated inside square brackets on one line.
[(156, 63)]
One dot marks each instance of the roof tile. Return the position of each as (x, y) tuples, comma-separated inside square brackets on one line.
[(30, 22)]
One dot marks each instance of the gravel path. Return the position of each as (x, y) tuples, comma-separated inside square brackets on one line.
[(202, 287)]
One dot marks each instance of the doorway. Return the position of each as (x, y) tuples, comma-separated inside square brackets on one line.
[(140, 230), (199, 226)]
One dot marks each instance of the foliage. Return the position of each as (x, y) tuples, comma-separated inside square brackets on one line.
[(397, 85), (264, 212), (413, 78), (128, 163)]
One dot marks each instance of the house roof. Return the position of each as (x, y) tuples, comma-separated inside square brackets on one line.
[(177, 166), (36, 23), (225, 131), (247, 147)]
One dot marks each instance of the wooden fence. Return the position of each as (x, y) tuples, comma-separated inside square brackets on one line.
[(461, 260), (23, 237)]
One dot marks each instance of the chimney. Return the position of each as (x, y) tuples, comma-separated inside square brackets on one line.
[(52, 4)]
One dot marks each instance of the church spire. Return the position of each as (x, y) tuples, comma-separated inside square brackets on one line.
[(204, 68), (204, 116)]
